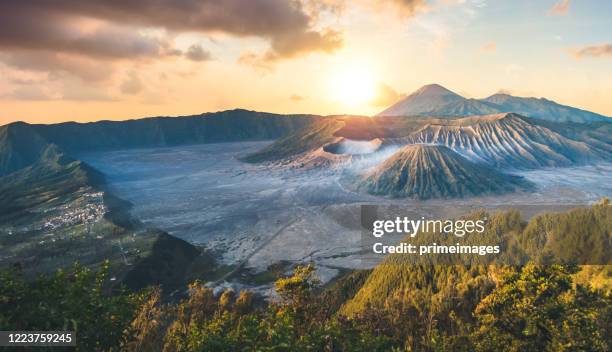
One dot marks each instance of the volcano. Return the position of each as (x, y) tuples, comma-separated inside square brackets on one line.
[(435, 171)]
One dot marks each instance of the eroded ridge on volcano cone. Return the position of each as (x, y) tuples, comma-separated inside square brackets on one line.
[(435, 171), (506, 140)]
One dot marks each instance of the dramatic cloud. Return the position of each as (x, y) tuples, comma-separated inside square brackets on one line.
[(25, 28), (604, 50), (196, 53), (385, 95), (561, 8), (54, 25), (295, 44)]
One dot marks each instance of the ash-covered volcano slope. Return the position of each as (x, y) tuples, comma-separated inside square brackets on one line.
[(507, 140), (435, 171)]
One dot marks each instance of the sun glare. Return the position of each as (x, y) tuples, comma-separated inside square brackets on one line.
[(353, 86)]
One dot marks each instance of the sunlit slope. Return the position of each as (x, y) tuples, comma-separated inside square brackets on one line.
[(53, 175), (581, 235), (315, 135), (435, 171)]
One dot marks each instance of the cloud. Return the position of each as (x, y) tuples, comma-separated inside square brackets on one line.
[(257, 61), (67, 90), (404, 8), (57, 25), (291, 44), (296, 97), (27, 93), (132, 84), (196, 53), (604, 50), (560, 8), (490, 47), (31, 28), (385, 95), (86, 93), (57, 65)]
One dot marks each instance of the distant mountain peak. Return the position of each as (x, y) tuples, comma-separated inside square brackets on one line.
[(424, 100), (434, 89), (436, 101), (499, 95)]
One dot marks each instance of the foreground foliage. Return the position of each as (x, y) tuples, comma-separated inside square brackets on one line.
[(395, 307), (533, 308), (73, 300)]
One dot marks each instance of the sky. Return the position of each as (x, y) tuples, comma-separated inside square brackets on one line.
[(75, 60)]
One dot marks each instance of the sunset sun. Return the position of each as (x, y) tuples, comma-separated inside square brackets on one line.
[(353, 86)]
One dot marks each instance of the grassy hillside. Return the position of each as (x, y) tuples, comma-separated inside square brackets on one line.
[(20, 146)]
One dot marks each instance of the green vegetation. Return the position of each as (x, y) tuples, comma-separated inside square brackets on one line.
[(536, 309), (578, 236), (76, 300), (533, 308)]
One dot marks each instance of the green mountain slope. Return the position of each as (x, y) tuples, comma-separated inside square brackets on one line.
[(52, 176), (225, 126), (56, 212), (23, 144), (20, 146)]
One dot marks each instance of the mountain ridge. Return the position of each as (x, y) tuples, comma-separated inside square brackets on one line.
[(506, 140), (22, 144), (434, 100)]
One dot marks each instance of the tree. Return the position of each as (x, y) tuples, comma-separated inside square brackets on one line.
[(77, 299), (536, 309)]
